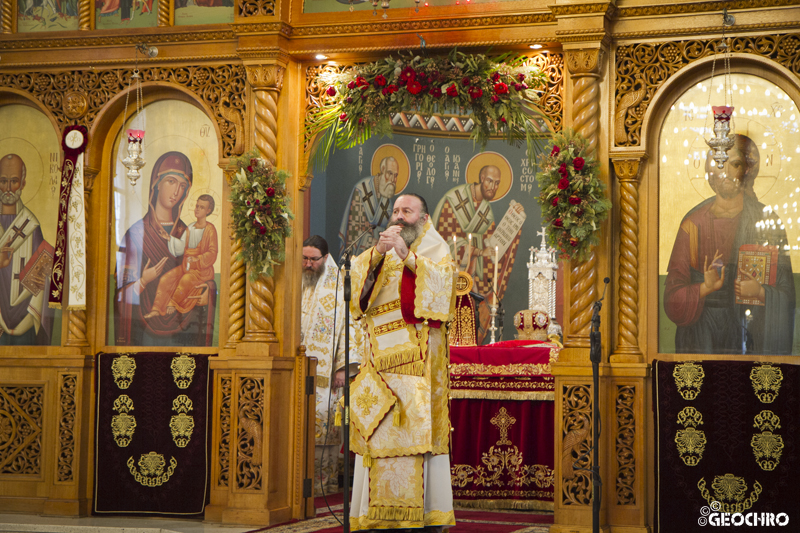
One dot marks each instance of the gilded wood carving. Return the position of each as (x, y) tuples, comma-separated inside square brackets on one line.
[(576, 442), (645, 67), (249, 473), (68, 415), (625, 438)]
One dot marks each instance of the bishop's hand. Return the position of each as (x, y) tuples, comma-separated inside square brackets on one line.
[(390, 239)]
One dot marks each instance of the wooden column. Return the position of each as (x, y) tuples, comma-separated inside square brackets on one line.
[(585, 67), (267, 81), (627, 347)]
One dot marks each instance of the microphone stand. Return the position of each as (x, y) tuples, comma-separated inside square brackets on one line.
[(595, 354), (346, 290)]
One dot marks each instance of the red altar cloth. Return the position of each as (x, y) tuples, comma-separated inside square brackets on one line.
[(502, 414)]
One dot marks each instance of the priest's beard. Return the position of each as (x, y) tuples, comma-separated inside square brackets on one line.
[(11, 198), (311, 275), (410, 232)]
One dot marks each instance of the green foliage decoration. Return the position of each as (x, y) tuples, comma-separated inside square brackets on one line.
[(260, 213), (572, 197), (499, 94)]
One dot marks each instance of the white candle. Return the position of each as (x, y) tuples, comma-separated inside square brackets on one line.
[(496, 254)]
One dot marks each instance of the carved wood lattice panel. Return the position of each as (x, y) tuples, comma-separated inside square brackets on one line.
[(641, 68), (68, 405), (225, 432), (576, 443), (249, 443), (625, 438), (77, 96), (21, 420)]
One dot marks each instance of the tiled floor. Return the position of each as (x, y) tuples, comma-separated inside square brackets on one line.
[(18, 523)]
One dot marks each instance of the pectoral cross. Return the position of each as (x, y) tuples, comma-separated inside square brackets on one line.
[(17, 232), (384, 211), (367, 196), (462, 204), (484, 218)]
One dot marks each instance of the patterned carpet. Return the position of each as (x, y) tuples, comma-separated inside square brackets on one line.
[(467, 521)]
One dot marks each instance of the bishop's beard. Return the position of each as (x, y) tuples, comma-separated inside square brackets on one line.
[(409, 232)]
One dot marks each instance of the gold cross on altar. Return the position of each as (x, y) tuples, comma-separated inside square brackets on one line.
[(503, 421)]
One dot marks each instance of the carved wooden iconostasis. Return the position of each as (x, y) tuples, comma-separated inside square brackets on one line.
[(230, 77)]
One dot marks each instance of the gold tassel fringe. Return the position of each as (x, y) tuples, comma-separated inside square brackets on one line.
[(528, 505), (396, 416), (396, 514), (385, 362), (416, 368), (337, 419), (368, 461), (460, 394)]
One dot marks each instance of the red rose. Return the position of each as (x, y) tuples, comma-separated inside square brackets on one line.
[(349, 100), (563, 170), (270, 192), (436, 92), (389, 89), (495, 98), (360, 120), (361, 82), (475, 92), (555, 201), (331, 91), (521, 77), (263, 230), (249, 168), (580, 212), (465, 81), (578, 163), (495, 77), (408, 74), (452, 90), (563, 183), (557, 222), (574, 200), (258, 202), (501, 88), (414, 87), (343, 117), (555, 151), (351, 85), (503, 120), (573, 241), (380, 80)]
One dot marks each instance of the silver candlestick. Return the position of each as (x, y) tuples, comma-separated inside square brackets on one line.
[(493, 327)]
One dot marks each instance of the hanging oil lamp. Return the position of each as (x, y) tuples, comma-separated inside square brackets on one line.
[(723, 114)]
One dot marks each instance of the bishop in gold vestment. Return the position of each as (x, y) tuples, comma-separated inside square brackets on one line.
[(403, 296)]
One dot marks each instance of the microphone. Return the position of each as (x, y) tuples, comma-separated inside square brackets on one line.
[(606, 281), (355, 242)]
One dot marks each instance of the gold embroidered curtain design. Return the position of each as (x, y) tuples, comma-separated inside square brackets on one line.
[(152, 441)]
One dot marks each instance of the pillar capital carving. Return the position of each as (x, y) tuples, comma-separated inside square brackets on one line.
[(627, 168), (585, 62), (265, 76)]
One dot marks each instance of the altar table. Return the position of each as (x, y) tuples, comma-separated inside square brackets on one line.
[(502, 413)]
